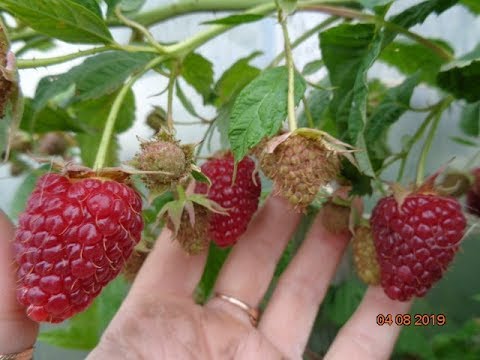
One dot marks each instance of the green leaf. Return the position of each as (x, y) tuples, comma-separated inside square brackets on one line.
[(462, 141), (50, 118), (312, 67), (349, 51), (461, 344), (39, 43), (25, 190), (476, 297), (235, 19), (222, 123), (89, 145), (342, 302), (260, 109), (216, 258), (198, 72), (462, 76), (94, 113), (62, 19), (472, 5), (91, 5), (199, 176), (417, 14), (394, 104), (84, 330), (411, 57), (318, 102), (235, 79), (470, 119), (96, 76)]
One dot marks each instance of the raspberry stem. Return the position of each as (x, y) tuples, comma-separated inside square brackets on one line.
[(112, 116), (292, 121), (436, 115)]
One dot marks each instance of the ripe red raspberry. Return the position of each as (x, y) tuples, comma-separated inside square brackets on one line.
[(73, 238), (415, 242), (240, 200)]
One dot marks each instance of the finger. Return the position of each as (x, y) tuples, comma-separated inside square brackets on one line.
[(290, 313), (250, 266), (362, 336), (168, 270), (17, 331)]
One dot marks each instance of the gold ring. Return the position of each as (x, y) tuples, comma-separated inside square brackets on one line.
[(253, 313), (22, 355)]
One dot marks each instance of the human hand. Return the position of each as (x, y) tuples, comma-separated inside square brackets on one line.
[(160, 320)]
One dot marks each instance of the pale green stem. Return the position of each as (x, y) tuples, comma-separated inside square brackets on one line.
[(305, 36), (437, 115), (292, 121), (171, 85), (112, 116), (33, 63), (148, 35)]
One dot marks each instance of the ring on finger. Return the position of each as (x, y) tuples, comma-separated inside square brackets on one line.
[(253, 313)]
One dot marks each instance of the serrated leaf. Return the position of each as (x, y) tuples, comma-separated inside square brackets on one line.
[(260, 109), (89, 145), (417, 14), (91, 5), (235, 19), (198, 72), (461, 77), (84, 330), (470, 119), (235, 79), (348, 52), (395, 103), (312, 67), (61, 19), (411, 57), (96, 76), (50, 118), (94, 113)]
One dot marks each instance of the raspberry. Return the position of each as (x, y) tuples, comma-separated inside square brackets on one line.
[(240, 200), (335, 217), (299, 166), (415, 241), (165, 155), (365, 256), (193, 231), (134, 264), (73, 238)]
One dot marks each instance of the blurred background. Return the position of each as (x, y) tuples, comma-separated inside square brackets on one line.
[(458, 26)]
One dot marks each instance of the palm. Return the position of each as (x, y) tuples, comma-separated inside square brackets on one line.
[(176, 328)]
